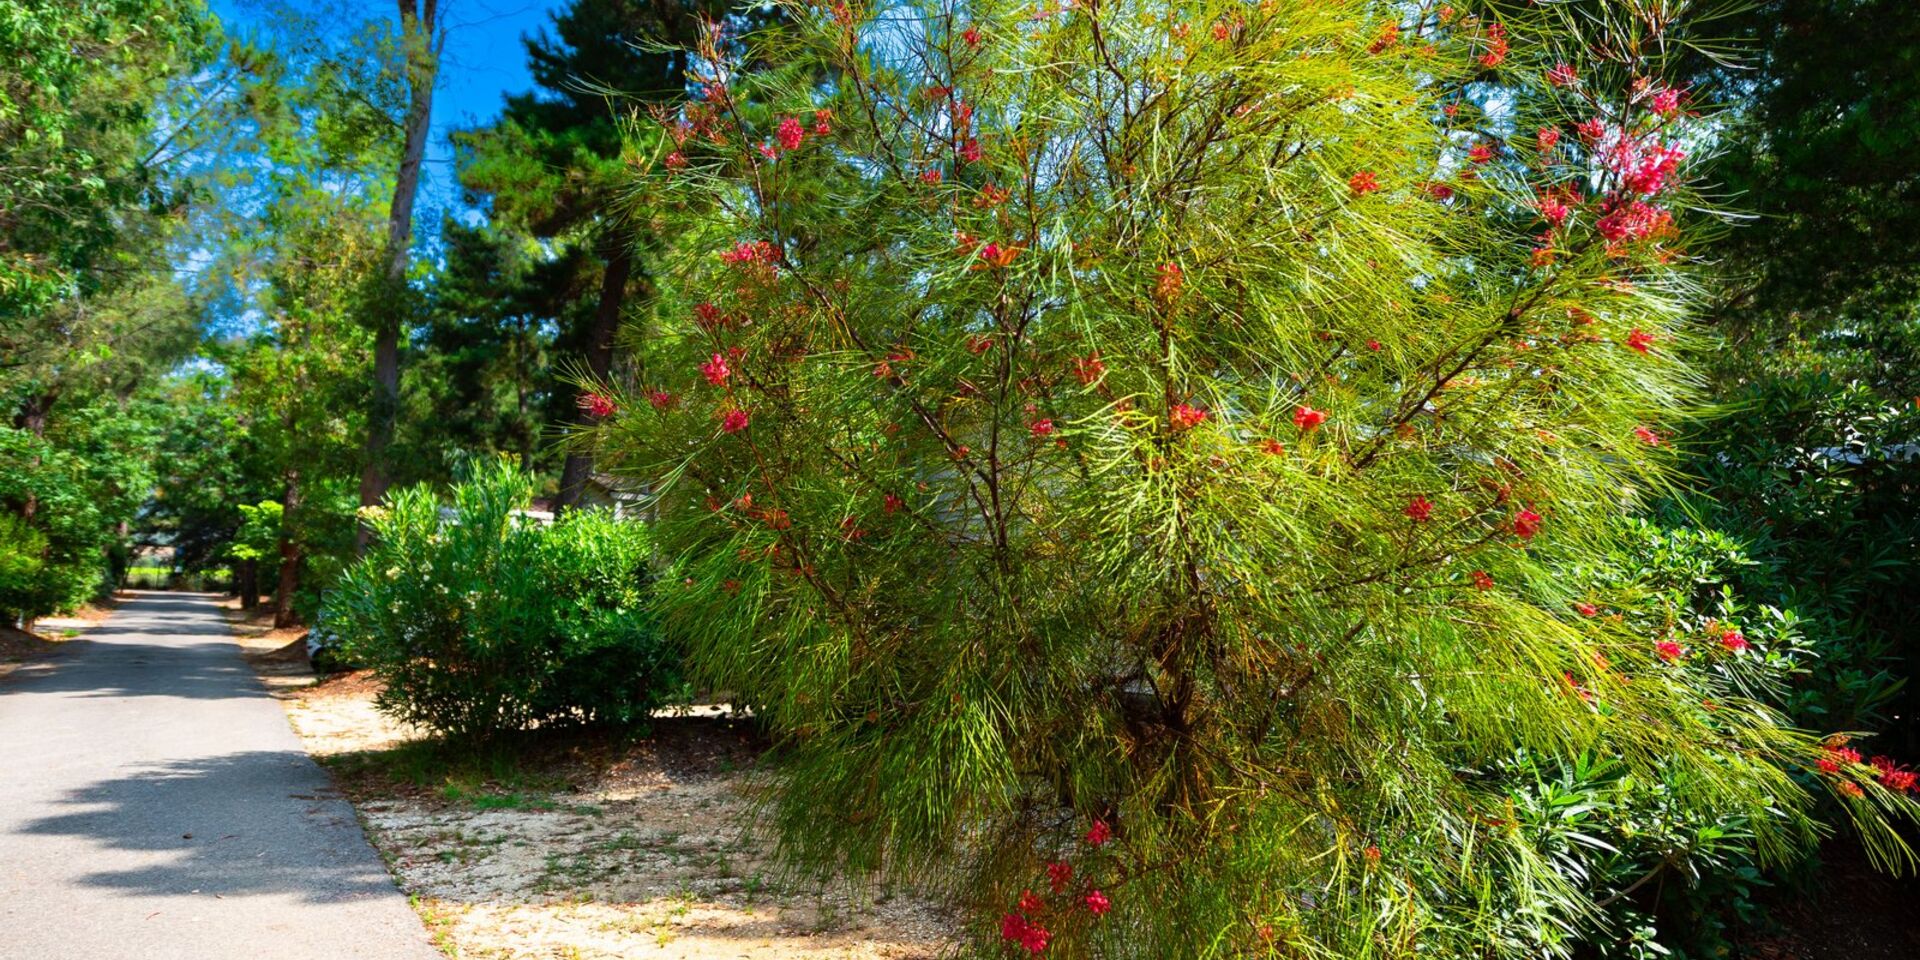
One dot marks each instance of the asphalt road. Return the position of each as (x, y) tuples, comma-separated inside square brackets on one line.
[(155, 805)]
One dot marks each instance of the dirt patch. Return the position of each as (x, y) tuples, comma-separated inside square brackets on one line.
[(1846, 910), (567, 845), (18, 647)]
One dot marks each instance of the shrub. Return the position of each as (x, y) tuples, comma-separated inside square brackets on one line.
[(1132, 457), (481, 620)]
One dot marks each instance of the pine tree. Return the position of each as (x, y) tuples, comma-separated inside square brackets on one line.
[(1128, 454)]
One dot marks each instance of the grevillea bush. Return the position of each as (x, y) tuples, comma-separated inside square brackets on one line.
[(1132, 455)]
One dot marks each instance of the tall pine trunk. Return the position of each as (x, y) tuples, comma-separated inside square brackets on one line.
[(291, 553), (419, 28), (599, 357)]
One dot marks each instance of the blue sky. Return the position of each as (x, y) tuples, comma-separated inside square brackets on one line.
[(483, 63)]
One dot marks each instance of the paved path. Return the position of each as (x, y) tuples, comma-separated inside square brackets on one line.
[(155, 805)]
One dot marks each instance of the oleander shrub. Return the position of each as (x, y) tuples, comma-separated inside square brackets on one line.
[(1137, 458), (482, 620)]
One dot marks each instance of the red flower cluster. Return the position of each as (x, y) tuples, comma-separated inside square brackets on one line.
[(1098, 904), (734, 421), (1647, 435), (1482, 580), (1307, 419), (1734, 641), (1089, 368), (1480, 153), (1015, 928), (1836, 755), (1041, 428), (1668, 650), (597, 405), (1186, 417), (791, 134), (1497, 47), (1420, 509), (1389, 35), (1059, 875), (972, 36), (1640, 340), (1547, 138), (1526, 523), (1363, 183), (716, 370), (1634, 220), (1563, 75), (748, 252), (662, 400), (1099, 833), (1587, 609), (1893, 776)]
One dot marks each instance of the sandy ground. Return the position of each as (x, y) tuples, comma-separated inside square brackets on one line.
[(18, 646), (582, 848)]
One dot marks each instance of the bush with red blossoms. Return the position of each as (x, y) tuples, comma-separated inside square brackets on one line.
[(1034, 317)]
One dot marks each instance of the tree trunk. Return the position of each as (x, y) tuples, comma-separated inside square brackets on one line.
[(290, 554), (606, 324), (246, 584), (423, 39)]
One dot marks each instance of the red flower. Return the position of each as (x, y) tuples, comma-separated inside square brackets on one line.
[(970, 151), (791, 134), (1496, 53), (979, 343), (1420, 509), (1307, 419), (1647, 435), (1273, 448), (972, 36), (1553, 208), (708, 316), (1439, 191), (1374, 345), (676, 160), (1633, 221), (1389, 35), (892, 503), (716, 370), (931, 175), (1587, 609), (777, 519), (1363, 183), (1089, 368), (1640, 340), (1172, 281), (1547, 138), (1526, 523), (1668, 650), (1030, 903), (1834, 757), (1185, 417), (1015, 928), (1098, 904), (662, 400), (735, 420), (1480, 153), (1099, 833), (597, 405), (1563, 75), (1666, 102), (1893, 776), (1481, 580), (1059, 875), (1041, 428), (1734, 641), (822, 122), (1591, 130)]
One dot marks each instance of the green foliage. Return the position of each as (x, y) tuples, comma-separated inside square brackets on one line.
[(66, 495), (483, 621), (1165, 421)]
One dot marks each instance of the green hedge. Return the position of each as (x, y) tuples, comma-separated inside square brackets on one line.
[(482, 620)]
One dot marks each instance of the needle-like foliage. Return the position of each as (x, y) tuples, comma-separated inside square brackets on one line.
[(1127, 452)]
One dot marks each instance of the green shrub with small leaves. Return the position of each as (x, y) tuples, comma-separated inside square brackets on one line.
[(483, 620)]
